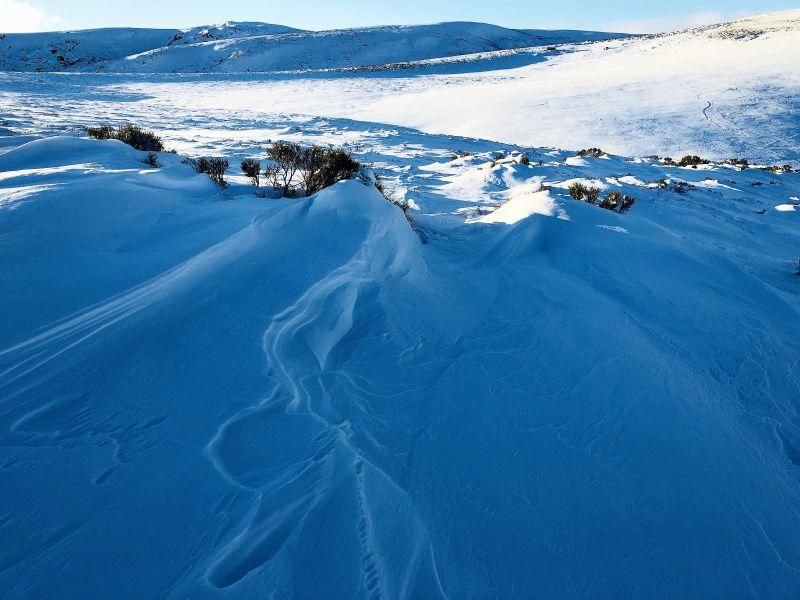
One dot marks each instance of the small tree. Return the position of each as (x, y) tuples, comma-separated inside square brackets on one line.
[(252, 169), (287, 159)]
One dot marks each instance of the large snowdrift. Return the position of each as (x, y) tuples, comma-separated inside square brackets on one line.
[(209, 395)]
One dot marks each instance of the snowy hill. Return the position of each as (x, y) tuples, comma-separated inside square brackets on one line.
[(241, 47), (227, 31), (723, 90), (75, 50), (216, 393), (206, 394)]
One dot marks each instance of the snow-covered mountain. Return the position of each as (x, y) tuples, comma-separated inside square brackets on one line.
[(241, 47)]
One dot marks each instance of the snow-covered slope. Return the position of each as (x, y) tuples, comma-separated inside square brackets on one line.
[(240, 47), (721, 90), (75, 50), (227, 31), (208, 395)]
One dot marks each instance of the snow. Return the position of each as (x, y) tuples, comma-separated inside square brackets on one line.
[(75, 49), (207, 394), (691, 92), (244, 47), (521, 205)]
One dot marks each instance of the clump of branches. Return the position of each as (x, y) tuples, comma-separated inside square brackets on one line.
[(133, 135), (215, 168), (286, 158), (617, 202), (252, 169), (584, 193)]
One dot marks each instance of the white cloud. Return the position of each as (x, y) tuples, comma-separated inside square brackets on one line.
[(661, 25), (22, 16)]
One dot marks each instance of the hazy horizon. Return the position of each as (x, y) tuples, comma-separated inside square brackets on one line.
[(625, 16)]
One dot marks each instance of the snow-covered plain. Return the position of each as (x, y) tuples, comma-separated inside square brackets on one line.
[(205, 394)]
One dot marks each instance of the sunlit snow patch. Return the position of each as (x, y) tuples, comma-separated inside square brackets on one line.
[(521, 206)]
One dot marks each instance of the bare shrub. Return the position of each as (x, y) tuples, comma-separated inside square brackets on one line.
[(322, 167), (133, 135), (584, 193), (617, 201), (692, 161), (316, 167), (592, 152), (101, 132), (286, 157), (215, 168), (252, 169)]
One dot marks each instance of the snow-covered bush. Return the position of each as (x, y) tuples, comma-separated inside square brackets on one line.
[(617, 201), (459, 155), (252, 169), (593, 152), (778, 169), (584, 193), (692, 161), (133, 135), (215, 168), (742, 163)]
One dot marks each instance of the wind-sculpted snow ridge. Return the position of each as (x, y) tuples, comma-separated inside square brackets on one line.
[(205, 394)]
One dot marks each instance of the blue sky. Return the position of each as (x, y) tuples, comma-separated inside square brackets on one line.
[(623, 15)]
